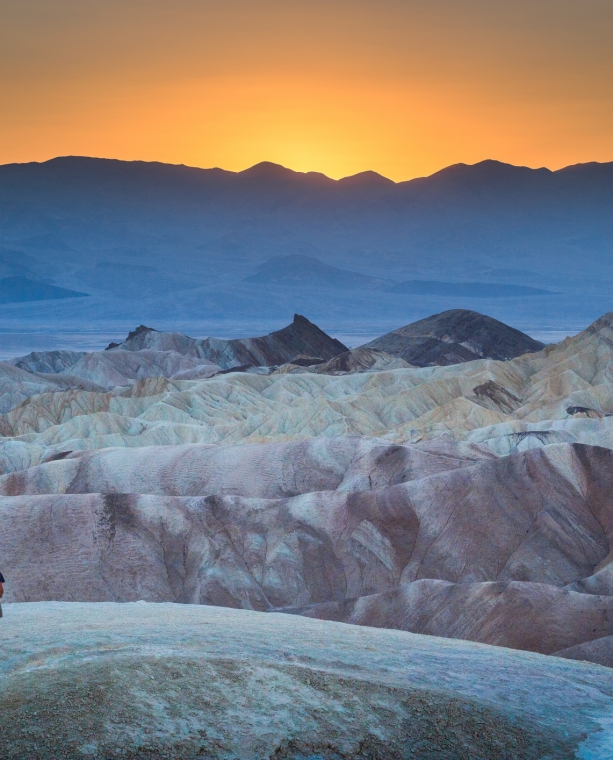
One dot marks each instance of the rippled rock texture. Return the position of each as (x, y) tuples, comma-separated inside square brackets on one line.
[(471, 501), (514, 551)]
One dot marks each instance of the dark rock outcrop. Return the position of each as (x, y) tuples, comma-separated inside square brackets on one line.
[(135, 339), (355, 360), (455, 336), (300, 337)]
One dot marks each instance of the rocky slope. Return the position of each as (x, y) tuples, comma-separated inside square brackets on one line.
[(48, 362), (17, 385), (300, 337), (148, 354), (355, 360), (561, 394), (470, 501), (347, 529), (153, 681), (458, 335)]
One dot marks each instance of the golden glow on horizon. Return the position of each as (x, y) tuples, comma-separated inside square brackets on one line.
[(403, 87)]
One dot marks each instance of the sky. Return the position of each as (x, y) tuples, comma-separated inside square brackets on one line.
[(402, 87)]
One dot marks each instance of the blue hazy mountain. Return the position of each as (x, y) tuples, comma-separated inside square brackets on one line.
[(475, 211), (20, 289), (306, 271), (166, 244)]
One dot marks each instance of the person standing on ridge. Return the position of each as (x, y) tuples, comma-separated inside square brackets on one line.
[(1, 591)]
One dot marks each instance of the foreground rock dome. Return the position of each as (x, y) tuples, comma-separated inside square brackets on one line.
[(176, 681)]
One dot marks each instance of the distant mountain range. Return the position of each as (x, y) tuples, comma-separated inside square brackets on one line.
[(150, 241), (20, 289), (305, 271), (68, 203)]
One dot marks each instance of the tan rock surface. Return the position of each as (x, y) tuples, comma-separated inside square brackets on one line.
[(554, 389)]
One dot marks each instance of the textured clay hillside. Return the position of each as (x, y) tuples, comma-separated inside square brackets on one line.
[(348, 529), (561, 394), (470, 501)]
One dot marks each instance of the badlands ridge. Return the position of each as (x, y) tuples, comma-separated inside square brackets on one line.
[(470, 500), (403, 485)]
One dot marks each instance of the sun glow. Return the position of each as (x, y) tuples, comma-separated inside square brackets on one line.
[(404, 90)]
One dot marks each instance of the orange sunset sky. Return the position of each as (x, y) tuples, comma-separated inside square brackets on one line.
[(403, 87)]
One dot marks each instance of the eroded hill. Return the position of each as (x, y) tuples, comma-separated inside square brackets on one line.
[(469, 501)]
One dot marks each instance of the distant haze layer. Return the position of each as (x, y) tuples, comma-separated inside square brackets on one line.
[(236, 254)]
